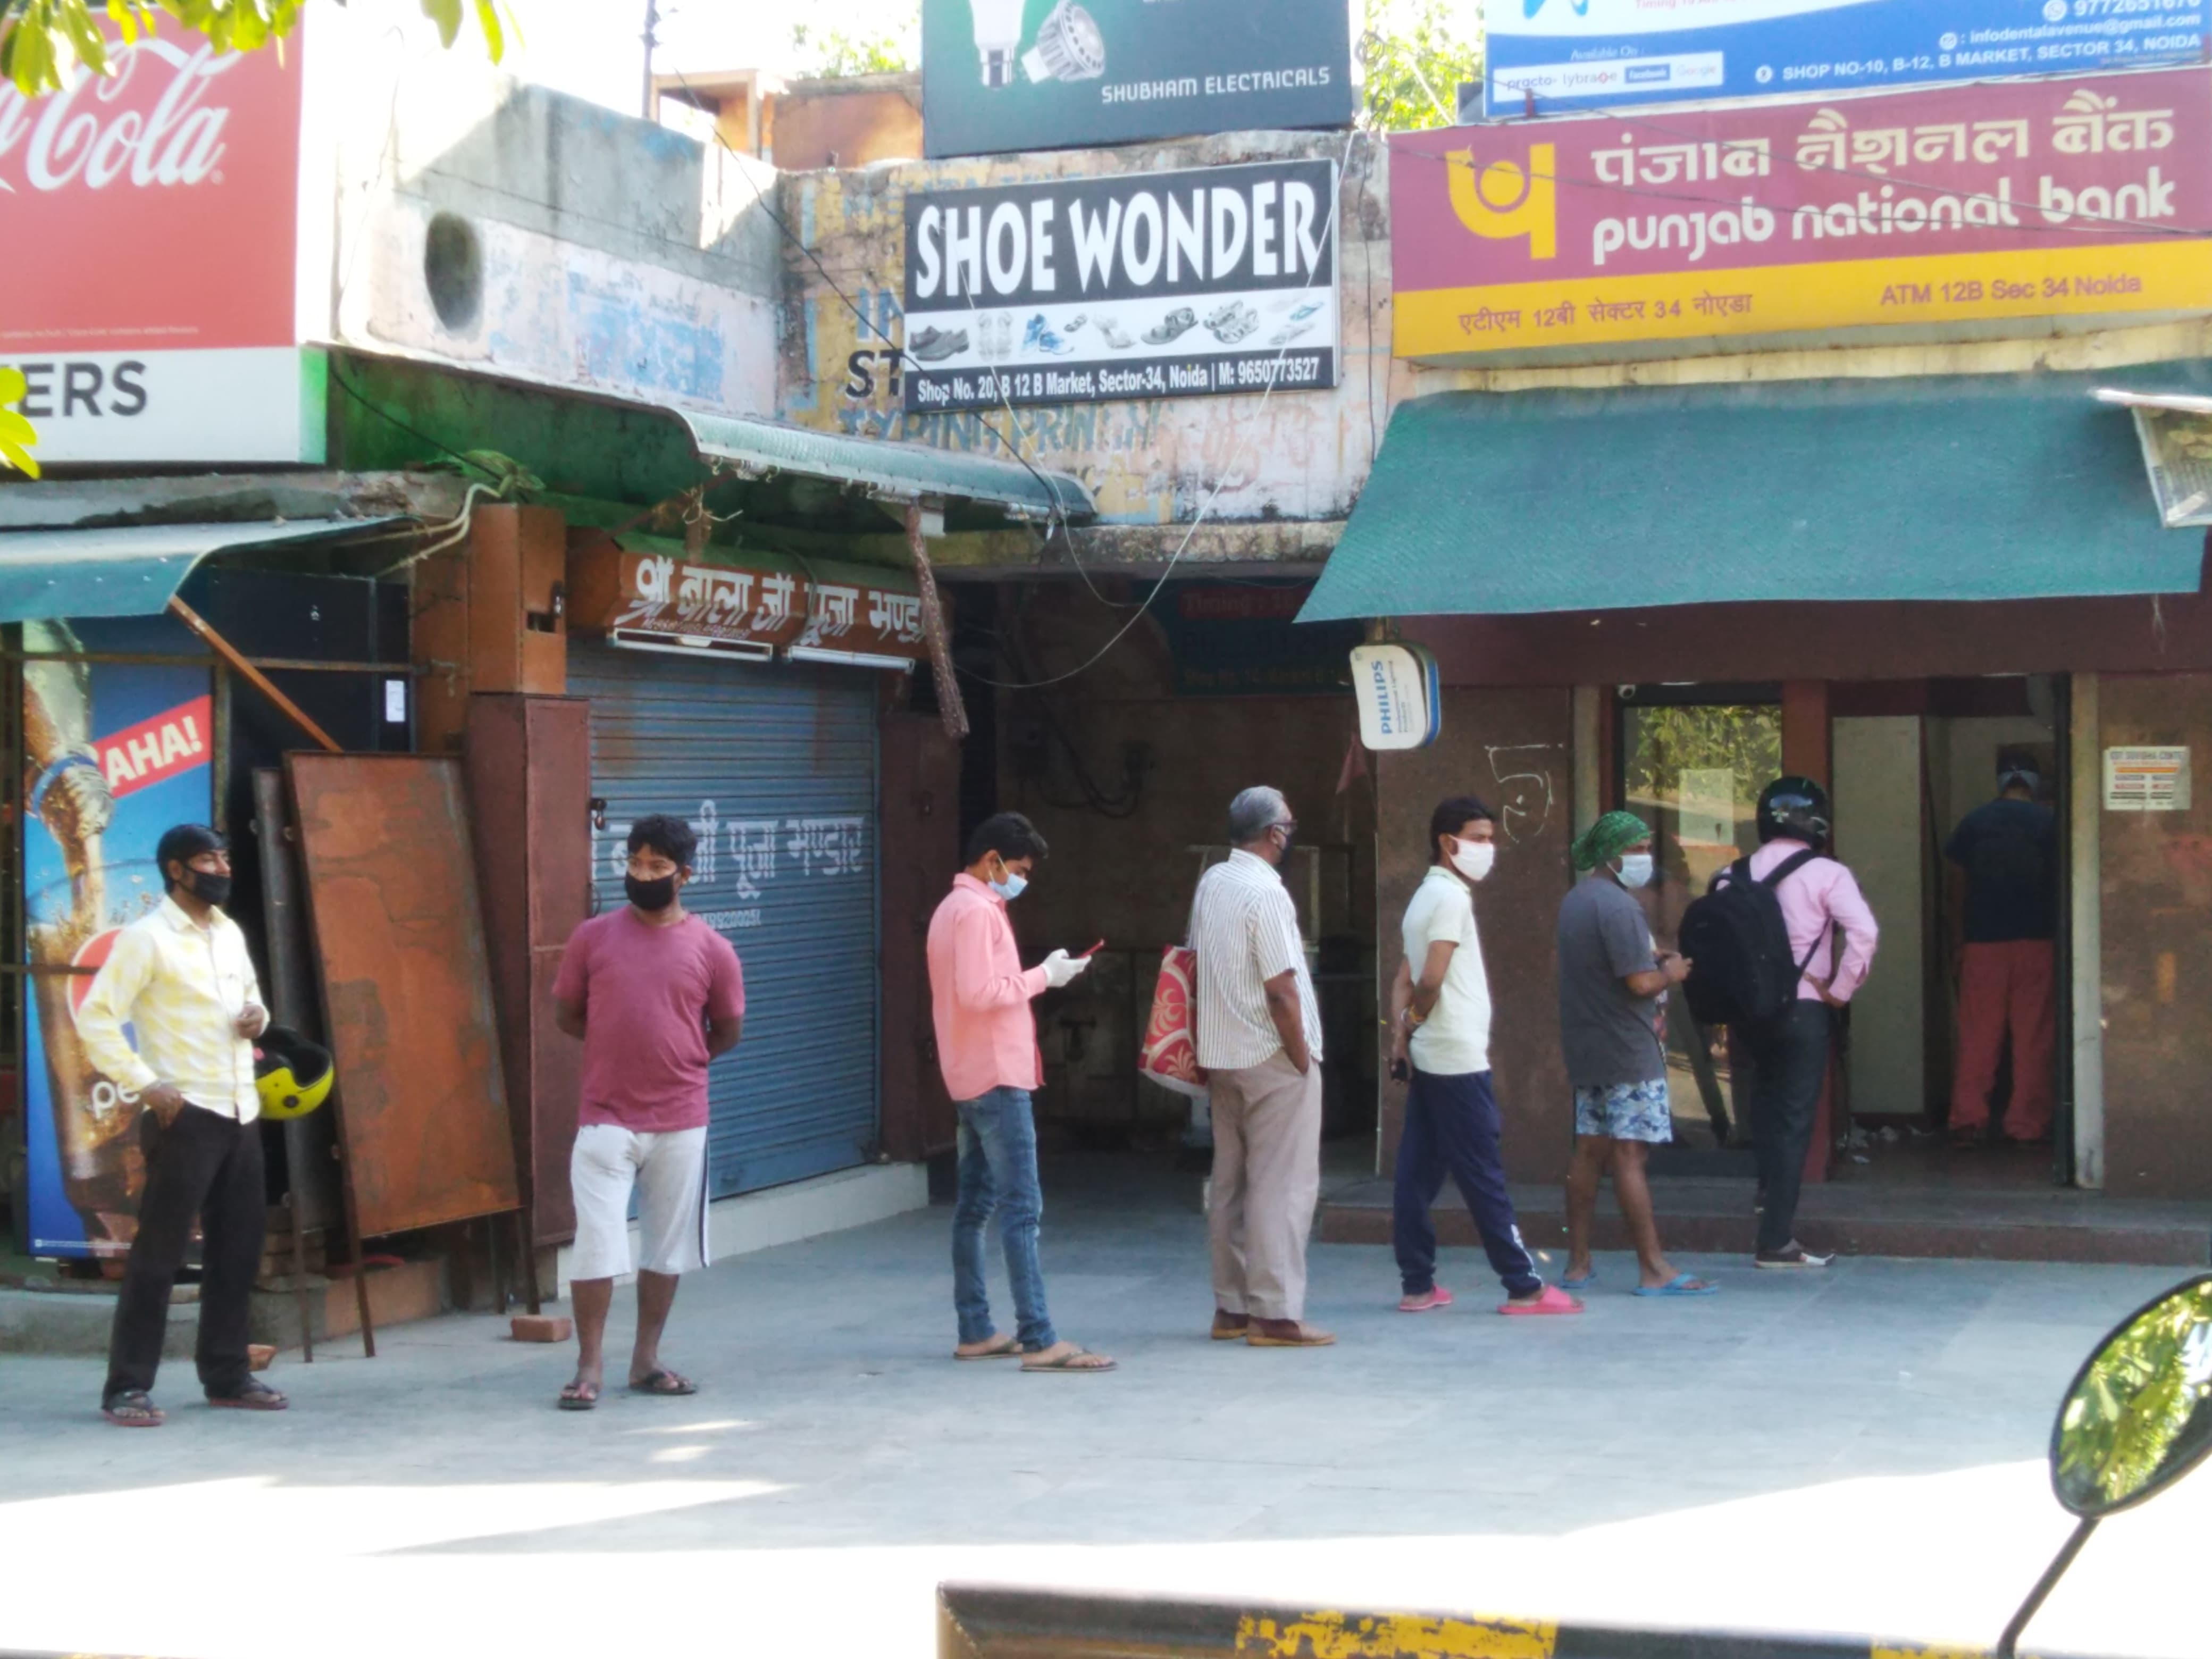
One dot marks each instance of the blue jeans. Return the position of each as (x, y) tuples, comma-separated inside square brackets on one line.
[(999, 1171)]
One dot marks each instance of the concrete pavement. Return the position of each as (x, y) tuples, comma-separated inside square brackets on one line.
[(1853, 1452)]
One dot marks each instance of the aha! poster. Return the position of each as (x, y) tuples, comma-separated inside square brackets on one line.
[(114, 754)]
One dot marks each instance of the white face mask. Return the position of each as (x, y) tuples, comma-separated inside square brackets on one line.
[(1635, 869), (1473, 859)]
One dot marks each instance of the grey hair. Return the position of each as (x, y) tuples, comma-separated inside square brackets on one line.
[(1256, 811)]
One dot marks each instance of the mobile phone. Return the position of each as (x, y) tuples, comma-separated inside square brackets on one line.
[(1092, 951)]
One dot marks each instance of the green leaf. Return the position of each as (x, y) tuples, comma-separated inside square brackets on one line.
[(488, 20), (447, 15)]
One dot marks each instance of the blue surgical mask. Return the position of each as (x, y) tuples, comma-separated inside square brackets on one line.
[(1635, 869), (1010, 888)]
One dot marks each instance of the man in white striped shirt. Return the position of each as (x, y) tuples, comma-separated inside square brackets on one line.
[(1259, 1038), (181, 979)]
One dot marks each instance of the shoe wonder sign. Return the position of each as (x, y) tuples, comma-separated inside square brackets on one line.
[(1147, 285)]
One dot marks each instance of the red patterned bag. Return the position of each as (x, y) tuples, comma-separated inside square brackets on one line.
[(1169, 1057)]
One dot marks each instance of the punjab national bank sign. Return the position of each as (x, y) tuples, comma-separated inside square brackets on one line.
[(1947, 209)]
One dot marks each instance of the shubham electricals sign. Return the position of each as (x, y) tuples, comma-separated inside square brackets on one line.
[(1013, 74), (1144, 285), (1620, 52)]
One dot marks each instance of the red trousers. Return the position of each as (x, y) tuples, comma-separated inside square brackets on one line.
[(2006, 989)]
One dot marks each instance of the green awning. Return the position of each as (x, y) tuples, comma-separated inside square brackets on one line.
[(894, 467), (1995, 487), (130, 571)]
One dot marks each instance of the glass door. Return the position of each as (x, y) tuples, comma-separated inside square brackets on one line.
[(1692, 760)]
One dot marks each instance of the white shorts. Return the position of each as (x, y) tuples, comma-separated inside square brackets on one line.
[(670, 1173)]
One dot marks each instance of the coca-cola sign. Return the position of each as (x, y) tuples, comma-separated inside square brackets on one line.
[(155, 208)]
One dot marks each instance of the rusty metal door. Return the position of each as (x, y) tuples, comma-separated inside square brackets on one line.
[(406, 982)]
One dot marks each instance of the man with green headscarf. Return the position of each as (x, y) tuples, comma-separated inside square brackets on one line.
[(1613, 992)]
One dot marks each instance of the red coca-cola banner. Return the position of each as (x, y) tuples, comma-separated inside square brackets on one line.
[(155, 209)]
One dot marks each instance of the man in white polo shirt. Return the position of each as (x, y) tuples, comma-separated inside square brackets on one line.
[(1440, 1014), (1259, 1038), (181, 979)]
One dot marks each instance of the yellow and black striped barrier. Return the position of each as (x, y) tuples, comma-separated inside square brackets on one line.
[(983, 1621)]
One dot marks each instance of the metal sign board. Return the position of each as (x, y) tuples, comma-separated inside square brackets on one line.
[(1616, 53), (406, 982), (1400, 705), (1016, 75), (1133, 285)]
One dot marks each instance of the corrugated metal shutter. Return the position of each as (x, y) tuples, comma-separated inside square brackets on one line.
[(774, 767)]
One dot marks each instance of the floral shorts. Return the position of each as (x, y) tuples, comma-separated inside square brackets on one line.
[(1626, 1111)]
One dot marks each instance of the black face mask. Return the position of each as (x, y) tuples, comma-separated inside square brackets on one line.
[(650, 895), (209, 890)]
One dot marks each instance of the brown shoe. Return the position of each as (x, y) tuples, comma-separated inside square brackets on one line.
[(1230, 1327), (1287, 1333)]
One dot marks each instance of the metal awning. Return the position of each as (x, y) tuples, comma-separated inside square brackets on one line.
[(130, 571), (1984, 487), (894, 468)]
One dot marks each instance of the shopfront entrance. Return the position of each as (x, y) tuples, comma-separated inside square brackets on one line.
[(1906, 761)]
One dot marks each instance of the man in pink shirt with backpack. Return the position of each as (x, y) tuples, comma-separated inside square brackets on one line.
[(987, 1044)]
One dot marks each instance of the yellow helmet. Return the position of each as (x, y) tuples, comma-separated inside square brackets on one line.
[(292, 1075)]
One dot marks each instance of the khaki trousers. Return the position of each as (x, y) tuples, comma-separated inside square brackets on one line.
[(1266, 1179)]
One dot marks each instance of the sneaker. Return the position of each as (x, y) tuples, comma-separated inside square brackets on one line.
[(1173, 326), (1792, 1256), (931, 347), (1034, 332), (1436, 1296), (1051, 345)]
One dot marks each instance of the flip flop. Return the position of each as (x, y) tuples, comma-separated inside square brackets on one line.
[(1006, 1347), (1571, 1282), (1680, 1285), (254, 1397), (579, 1397), (1552, 1301), (665, 1383), (133, 1409), (1069, 1363)]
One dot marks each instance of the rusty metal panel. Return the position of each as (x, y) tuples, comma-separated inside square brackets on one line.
[(920, 812), (528, 760), (391, 891)]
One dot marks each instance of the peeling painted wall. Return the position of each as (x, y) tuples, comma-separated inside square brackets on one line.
[(612, 256), (1299, 456)]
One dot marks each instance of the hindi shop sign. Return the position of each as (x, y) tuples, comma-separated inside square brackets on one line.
[(1019, 75), (652, 595), (1142, 285), (1621, 52), (2017, 201)]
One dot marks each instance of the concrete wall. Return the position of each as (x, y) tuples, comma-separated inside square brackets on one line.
[(612, 256), (2157, 890)]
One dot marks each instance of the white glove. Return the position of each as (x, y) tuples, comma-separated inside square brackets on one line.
[(1060, 969)]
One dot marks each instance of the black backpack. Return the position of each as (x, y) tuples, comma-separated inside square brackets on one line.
[(1741, 969)]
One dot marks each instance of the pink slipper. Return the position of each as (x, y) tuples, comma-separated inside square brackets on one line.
[(1552, 1301), (1438, 1296)]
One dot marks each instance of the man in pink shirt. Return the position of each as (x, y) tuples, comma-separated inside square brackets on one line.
[(987, 1045), (655, 994), (1789, 1050)]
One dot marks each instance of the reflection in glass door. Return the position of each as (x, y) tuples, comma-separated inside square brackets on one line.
[(1693, 769)]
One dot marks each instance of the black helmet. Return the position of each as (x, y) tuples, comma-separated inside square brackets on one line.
[(1795, 806)]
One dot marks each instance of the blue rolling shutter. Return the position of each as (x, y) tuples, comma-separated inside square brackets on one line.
[(776, 768)]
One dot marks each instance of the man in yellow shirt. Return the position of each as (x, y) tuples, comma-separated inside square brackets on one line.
[(180, 977)]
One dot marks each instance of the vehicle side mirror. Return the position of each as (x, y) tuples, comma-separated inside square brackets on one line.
[(2139, 1415)]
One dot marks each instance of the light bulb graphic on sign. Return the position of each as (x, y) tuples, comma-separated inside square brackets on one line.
[(998, 38), (1068, 46)]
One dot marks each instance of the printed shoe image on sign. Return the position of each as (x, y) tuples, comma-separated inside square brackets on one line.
[(1115, 337), (1233, 322), (1173, 326), (931, 346)]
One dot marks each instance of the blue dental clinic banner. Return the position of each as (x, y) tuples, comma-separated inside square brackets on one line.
[(115, 753), (1595, 53)]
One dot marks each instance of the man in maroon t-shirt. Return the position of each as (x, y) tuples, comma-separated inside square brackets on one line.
[(655, 994)]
